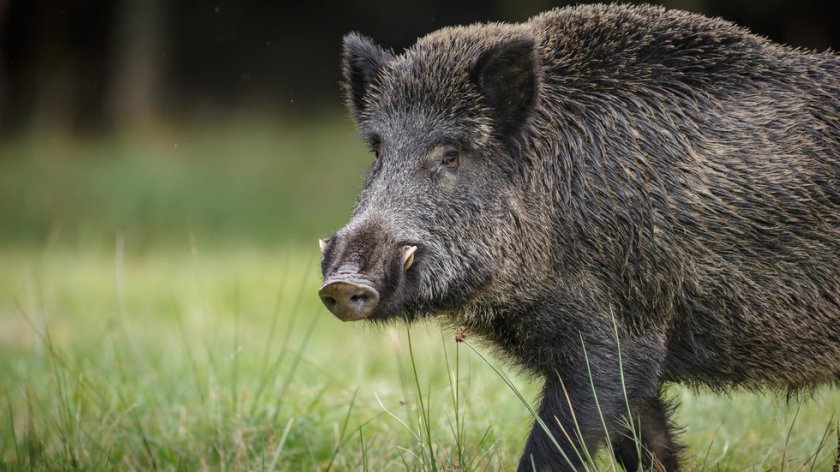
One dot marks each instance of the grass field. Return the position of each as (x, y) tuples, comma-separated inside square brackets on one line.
[(158, 310)]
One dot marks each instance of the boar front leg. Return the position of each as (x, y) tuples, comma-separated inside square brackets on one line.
[(572, 424), (555, 440)]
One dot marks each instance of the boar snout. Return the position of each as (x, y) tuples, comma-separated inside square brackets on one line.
[(349, 301), (365, 274)]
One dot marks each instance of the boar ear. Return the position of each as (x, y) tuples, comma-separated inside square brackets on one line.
[(506, 77), (361, 61)]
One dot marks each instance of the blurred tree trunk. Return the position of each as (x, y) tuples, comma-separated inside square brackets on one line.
[(56, 60), (4, 59), (138, 56)]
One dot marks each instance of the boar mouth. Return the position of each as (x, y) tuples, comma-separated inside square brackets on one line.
[(374, 289)]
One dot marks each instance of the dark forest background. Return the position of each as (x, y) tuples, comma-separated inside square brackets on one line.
[(102, 65)]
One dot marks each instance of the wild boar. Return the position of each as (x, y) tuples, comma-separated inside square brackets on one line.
[(600, 169)]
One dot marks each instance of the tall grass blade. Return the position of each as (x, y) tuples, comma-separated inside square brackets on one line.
[(813, 459), (266, 376), (147, 447), (424, 413), (787, 436), (397, 418), (454, 389), (578, 434), (295, 364), (275, 315), (341, 440), (709, 448), (234, 387), (836, 467), (633, 430), (363, 449), (598, 403), (119, 292), (525, 402), (31, 440), (269, 375), (199, 384), (65, 417), (12, 426), (278, 450)]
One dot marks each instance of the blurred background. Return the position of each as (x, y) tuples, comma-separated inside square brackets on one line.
[(222, 119), (165, 170)]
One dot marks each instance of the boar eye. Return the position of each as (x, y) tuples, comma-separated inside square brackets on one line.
[(450, 159)]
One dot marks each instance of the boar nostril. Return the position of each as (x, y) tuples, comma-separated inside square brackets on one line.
[(359, 298), (329, 301)]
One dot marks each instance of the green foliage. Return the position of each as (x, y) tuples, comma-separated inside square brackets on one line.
[(254, 181)]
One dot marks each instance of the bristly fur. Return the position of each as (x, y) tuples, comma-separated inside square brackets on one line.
[(672, 171)]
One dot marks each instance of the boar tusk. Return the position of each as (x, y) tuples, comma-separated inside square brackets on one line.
[(322, 243), (408, 256)]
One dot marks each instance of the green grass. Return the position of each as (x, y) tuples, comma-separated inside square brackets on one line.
[(181, 358), (156, 311), (185, 358)]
